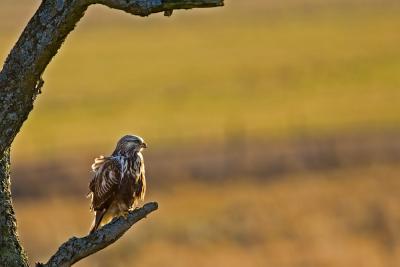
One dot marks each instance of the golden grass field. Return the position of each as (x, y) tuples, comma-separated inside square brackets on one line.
[(341, 218), (240, 76)]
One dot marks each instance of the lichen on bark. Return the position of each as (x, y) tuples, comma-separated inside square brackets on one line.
[(11, 251)]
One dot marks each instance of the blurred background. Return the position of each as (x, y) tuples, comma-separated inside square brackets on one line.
[(273, 132)]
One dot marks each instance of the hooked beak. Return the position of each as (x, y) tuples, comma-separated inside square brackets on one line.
[(144, 145)]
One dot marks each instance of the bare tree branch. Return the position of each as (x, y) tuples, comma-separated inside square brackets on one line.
[(147, 7), (76, 249)]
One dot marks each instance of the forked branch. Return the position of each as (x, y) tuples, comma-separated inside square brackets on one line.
[(76, 249)]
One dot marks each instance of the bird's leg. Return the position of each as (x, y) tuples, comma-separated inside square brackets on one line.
[(125, 214)]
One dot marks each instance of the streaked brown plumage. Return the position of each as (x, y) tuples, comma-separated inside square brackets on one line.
[(119, 181)]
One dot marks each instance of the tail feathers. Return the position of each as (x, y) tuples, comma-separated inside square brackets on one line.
[(97, 220)]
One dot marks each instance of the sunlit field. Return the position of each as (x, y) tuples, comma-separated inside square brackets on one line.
[(346, 218), (273, 132)]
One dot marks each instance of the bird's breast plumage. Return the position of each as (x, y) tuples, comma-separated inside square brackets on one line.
[(132, 176)]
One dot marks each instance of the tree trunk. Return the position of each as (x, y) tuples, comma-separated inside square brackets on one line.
[(20, 83), (11, 251)]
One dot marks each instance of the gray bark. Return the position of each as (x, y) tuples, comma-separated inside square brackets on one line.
[(76, 249), (11, 252), (21, 82)]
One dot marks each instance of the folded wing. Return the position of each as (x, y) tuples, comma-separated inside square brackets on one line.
[(105, 182)]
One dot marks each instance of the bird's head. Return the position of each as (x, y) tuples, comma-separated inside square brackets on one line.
[(129, 145)]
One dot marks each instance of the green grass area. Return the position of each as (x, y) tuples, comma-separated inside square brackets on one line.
[(266, 69)]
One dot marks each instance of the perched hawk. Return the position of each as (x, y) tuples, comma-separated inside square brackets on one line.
[(119, 181)]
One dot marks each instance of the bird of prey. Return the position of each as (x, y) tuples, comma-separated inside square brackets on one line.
[(119, 181)]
